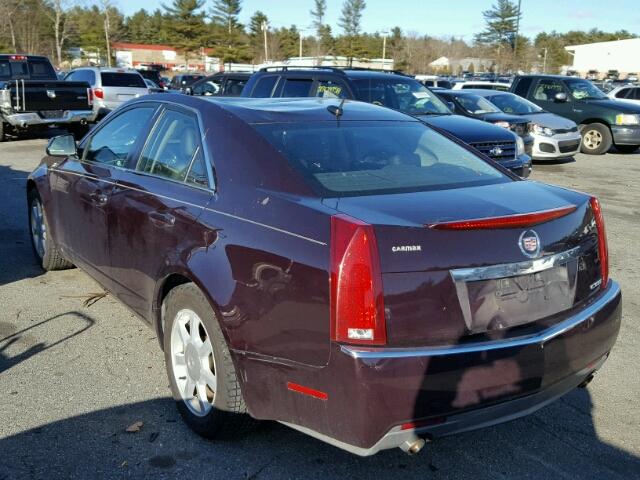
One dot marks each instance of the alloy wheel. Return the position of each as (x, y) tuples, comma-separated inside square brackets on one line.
[(592, 139), (193, 362)]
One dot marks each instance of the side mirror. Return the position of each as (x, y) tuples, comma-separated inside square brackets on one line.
[(451, 106), (560, 97), (62, 146)]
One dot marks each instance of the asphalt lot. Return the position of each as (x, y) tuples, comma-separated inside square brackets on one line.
[(73, 377)]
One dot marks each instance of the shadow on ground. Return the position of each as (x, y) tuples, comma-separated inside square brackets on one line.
[(558, 442)]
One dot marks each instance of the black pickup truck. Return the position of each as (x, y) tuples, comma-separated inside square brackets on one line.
[(31, 96)]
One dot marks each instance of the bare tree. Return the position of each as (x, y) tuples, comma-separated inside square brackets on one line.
[(58, 15), (7, 11)]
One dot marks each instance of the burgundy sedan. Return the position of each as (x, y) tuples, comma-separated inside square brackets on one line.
[(341, 268)]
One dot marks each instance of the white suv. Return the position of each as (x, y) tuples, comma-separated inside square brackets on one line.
[(111, 87)]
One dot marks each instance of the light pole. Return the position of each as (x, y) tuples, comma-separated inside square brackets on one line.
[(265, 26), (384, 47), (544, 61), (300, 48), (515, 41)]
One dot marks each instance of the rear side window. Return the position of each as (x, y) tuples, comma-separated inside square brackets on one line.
[(112, 144), (5, 70), (522, 87), (233, 86), (118, 79), (297, 87), (39, 69), (635, 94), (171, 147), (264, 87), (331, 89), (369, 158)]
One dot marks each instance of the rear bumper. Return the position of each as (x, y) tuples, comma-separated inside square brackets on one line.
[(626, 135), (436, 391), (32, 118)]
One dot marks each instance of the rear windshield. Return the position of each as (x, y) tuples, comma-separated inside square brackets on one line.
[(118, 79), (30, 69), (349, 158)]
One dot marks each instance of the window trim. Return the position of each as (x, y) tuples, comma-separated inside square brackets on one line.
[(192, 112)]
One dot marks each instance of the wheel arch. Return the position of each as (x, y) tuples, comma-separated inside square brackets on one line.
[(588, 121), (170, 280)]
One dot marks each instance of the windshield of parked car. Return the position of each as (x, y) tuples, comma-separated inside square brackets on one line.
[(348, 158), (584, 90), (476, 105), (514, 104), (404, 94)]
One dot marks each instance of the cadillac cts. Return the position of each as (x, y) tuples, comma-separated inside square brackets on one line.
[(341, 268)]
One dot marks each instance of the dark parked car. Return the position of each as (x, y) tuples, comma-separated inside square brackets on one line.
[(222, 84), (396, 91), (471, 103), (338, 267), (32, 96), (153, 75), (602, 122), (182, 81)]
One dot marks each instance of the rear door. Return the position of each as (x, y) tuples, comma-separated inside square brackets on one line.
[(156, 205), (120, 87), (85, 183)]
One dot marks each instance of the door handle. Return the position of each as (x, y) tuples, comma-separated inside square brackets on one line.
[(162, 219), (99, 198)]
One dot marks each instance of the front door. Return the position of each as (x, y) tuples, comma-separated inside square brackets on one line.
[(156, 206), (84, 186), (544, 94)]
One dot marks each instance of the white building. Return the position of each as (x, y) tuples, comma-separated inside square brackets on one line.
[(621, 55)]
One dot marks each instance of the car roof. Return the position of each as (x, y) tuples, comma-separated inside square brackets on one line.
[(485, 92), (303, 109), (470, 91)]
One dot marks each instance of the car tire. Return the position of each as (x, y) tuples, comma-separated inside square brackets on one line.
[(44, 248), (596, 139), (190, 322), (627, 148)]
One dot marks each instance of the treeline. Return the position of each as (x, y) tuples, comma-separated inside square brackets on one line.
[(51, 27)]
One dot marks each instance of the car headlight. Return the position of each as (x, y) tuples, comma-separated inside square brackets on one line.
[(503, 124), (520, 146), (627, 119), (540, 130)]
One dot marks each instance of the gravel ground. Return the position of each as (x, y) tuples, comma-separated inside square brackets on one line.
[(73, 377)]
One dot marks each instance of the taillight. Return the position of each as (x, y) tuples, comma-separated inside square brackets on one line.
[(357, 304), (98, 93), (90, 96), (603, 249)]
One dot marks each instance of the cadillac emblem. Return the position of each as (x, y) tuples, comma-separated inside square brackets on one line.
[(529, 243)]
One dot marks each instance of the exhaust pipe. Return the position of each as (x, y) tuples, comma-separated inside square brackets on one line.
[(413, 446)]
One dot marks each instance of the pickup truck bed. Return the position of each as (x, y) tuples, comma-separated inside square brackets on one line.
[(26, 101)]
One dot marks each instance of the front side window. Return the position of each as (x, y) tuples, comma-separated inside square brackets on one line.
[(546, 90), (369, 157), (171, 147), (406, 95), (112, 144)]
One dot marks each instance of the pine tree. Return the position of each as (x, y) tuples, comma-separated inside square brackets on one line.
[(350, 24), (256, 35), (187, 21)]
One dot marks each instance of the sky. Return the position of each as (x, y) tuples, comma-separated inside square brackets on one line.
[(442, 18)]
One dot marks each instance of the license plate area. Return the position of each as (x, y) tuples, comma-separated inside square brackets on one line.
[(520, 294), (48, 114)]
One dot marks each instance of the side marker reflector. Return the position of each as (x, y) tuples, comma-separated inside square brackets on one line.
[(294, 387)]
